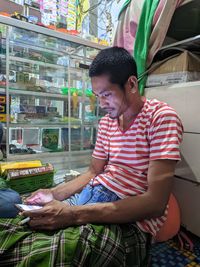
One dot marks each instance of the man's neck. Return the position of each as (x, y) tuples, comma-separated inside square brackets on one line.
[(125, 122), (127, 118)]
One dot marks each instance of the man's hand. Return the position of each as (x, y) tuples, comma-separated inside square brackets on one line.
[(40, 197), (54, 215)]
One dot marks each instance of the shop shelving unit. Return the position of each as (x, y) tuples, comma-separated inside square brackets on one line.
[(47, 110)]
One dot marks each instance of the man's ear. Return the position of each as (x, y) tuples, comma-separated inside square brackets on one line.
[(132, 83)]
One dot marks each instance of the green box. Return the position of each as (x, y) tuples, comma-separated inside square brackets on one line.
[(31, 183), (50, 138)]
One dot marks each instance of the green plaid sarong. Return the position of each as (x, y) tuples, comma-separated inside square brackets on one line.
[(88, 245)]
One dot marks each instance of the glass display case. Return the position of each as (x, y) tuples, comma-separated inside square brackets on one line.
[(46, 103)]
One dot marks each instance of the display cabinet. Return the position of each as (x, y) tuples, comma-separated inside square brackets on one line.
[(47, 107)]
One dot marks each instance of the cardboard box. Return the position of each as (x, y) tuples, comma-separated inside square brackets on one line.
[(3, 108), (2, 117), (184, 67)]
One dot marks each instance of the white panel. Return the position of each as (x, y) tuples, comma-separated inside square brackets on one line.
[(189, 167), (184, 98), (188, 196)]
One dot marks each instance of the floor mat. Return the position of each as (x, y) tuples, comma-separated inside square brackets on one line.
[(168, 254)]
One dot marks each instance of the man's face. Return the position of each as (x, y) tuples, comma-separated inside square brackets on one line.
[(111, 97)]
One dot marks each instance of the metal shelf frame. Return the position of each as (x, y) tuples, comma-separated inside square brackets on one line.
[(65, 158), (52, 33)]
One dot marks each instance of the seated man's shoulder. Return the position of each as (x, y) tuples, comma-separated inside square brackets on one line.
[(159, 108)]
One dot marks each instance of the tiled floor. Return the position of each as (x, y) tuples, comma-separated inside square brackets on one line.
[(169, 254)]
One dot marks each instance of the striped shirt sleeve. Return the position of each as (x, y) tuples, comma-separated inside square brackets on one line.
[(99, 150), (165, 135)]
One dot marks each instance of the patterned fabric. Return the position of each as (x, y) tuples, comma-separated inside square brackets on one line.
[(169, 254), (156, 133), (127, 24), (89, 246), (142, 28)]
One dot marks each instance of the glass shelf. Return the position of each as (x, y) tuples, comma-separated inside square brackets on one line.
[(51, 111)]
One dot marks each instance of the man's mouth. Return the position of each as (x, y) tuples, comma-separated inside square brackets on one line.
[(109, 110)]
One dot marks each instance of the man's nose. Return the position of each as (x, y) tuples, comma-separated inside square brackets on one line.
[(102, 102)]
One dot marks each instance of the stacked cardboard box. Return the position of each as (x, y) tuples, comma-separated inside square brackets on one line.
[(184, 67)]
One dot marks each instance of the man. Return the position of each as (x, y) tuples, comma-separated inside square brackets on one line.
[(131, 172)]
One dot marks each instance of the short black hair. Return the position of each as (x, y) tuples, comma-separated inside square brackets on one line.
[(116, 62)]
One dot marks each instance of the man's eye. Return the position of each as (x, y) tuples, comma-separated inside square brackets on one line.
[(106, 94)]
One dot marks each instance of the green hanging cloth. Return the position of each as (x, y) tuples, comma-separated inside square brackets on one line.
[(142, 39), (126, 3)]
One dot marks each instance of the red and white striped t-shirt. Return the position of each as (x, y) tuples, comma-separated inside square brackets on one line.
[(156, 133)]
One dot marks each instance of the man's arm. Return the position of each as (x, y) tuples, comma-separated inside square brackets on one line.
[(148, 205), (65, 190)]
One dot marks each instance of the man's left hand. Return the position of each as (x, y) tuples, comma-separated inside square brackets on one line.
[(54, 215)]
